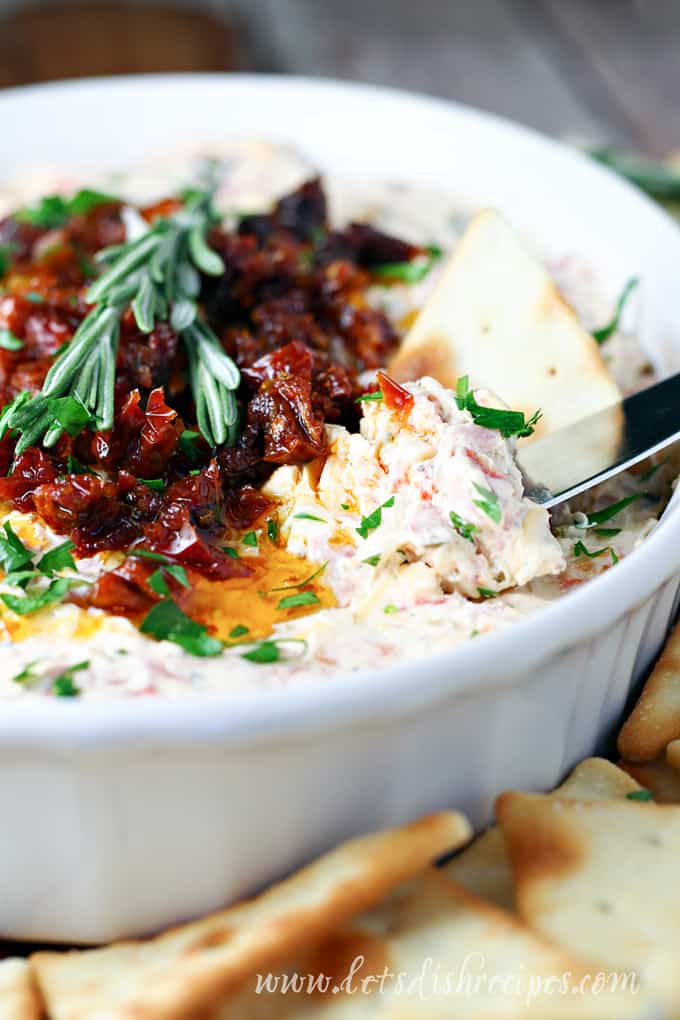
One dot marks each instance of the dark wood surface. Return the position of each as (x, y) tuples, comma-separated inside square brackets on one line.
[(601, 70)]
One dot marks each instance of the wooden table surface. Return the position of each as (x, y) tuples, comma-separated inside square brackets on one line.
[(604, 70)]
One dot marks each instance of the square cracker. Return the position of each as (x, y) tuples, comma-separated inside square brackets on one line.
[(19, 996), (432, 951), (183, 972), (483, 867), (655, 720), (601, 878)]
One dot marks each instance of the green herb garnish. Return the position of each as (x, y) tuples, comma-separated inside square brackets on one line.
[(302, 584), (606, 532), (374, 395), (372, 561), (159, 275), (605, 332), (167, 622), (13, 553), (643, 795), (309, 517), (63, 686), (250, 539), (230, 551), (373, 520), (264, 652), (54, 210), (486, 593), (508, 423), (27, 673), (25, 605), (10, 342), (489, 504), (580, 550), (301, 598), (344, 506), (408, 272), (157, 484), (464, 528), (6, 257), (238, 631), (74, 467), (187, 444), (653, 176), (390, 608), (34, 297), (272, 531), (58, 558), (607, 512)]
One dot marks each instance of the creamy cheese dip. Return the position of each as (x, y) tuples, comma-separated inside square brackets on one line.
[(418, 521)]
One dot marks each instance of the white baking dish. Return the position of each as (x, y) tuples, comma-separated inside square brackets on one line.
[(119, 818)]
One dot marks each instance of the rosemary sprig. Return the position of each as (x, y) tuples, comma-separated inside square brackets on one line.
[(158, 273)]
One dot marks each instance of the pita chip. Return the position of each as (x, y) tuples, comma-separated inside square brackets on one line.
[(655, 720), (483, 867), (19, 996), (600, 878), (497, 316), (184, 971), (431, 951)]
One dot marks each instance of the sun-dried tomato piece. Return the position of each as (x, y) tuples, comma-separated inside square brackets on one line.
[(366, 246), (87, 508), (303, 213), (157, 439), (146, 359), (282, 407), (32, 470)]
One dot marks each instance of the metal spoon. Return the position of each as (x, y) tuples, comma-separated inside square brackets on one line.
[(646, 422)]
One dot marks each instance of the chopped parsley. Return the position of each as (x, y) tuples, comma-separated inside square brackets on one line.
[(643, 795), (27, 673), (373, 520), (390, 608), (156, 484), (13, 553), (35, 298), (374, 395), (272, 530), (408, 272), (508, 423), (605, 332), (10, 342), (167, 622), (489, 504), (238, 631), (187, 444), (580, 550), (158, 583), (149, 555), (309, 517), (607, 512), (250, 539), (301, 598), (486, 593), (5, 257), (74, 467), (24, 605), (69, 413), (54, 210), (464, 528), (606, 532), (344, 506), (58, 558), (372, 561), (302, 584), (264, 652), (63, 686), (230, 551)]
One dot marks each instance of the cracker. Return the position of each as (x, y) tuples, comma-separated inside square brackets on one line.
[(459, 957), (659, 777), (187, 969), (655, 720), (19, 996), (497, 316), (484, 869), (600, 878)]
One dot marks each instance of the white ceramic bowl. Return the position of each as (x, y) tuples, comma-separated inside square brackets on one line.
[(119, 818)]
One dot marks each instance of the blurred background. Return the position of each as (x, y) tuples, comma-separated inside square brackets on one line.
[(599, 70)]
